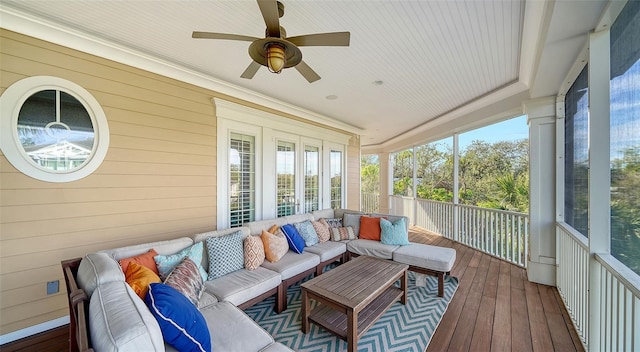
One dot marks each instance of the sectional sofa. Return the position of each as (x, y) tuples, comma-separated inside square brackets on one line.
[(108, 315)]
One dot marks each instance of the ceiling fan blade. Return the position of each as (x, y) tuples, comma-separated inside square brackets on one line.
[(251, 70), (322, 39), (210, 35), (306, 72), (269, 9)]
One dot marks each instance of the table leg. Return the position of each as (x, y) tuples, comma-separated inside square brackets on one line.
[(305, 311), (352, 331), (403, 285)]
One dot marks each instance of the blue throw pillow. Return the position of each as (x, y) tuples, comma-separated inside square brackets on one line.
[(182, 325), (394, 233), (296, 242), (166, 263)]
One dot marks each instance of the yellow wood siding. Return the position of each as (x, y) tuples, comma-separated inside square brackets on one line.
[(158, 180)]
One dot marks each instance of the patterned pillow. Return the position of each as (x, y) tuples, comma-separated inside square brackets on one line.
[(352, 220), (144, 259), (226, 254), (296, 242), (253, 252), (275, 246), (181, 323), (322, 229), (394, 233), (332, 222), (308, 233), (166, 263), (343, 233), (139, 277), (186, 279)]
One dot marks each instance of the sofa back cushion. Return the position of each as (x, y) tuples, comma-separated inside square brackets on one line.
[(324, 213), (120, 321), (161, 247), (353, 220), (256, 227), (96, 269)]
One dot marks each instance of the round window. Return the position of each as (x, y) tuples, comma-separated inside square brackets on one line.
[(52, 129)]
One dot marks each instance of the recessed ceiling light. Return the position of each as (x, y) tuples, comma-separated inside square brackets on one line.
[(331, 97), (378, 83)]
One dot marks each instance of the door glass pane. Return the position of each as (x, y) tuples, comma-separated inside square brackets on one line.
[(625, 136), (241, 179), (335, 170), (285, 178), (311, 178)]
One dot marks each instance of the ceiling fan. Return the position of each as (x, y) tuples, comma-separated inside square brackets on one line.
[(276, 51)]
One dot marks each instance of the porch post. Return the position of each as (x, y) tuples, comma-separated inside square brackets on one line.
[(385, 182), (541, 117)]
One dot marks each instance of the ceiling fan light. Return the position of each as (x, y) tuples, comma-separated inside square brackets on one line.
[(276, 58)]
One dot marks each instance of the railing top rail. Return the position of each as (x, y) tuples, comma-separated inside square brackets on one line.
[(506, 212), (401, 197), (433, 201), (576, 236), (624, 274)]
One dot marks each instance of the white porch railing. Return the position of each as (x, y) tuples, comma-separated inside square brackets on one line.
[(503, 234), (370, 202), (572, 278), (617, 295)]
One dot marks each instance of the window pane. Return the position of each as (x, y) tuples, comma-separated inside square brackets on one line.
[(241, 179), (576, 154), (335, 170), (493, 169), (625, 136), (55, 139), (311, 178), (403, 172), (435, 170), (370, 183), (286, 178)]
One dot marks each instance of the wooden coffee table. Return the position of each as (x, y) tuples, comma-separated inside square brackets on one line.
[(353, 296)]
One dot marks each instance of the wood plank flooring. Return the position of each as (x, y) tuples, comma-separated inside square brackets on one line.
[(497, 309), (494, 309)]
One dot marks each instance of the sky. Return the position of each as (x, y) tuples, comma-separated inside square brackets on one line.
[(510, 130)]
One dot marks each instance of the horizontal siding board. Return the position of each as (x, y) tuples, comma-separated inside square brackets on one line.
[(25, 323), (62, 196), (15, 280), (115, 222), (159, 145), (202, 128), (18, 181), (149, 134)]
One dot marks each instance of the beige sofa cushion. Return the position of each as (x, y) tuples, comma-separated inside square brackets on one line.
[(242, 285), (232, 330), (426, 256), (120, 321), (96, 269), (372, 248), (327, 250), (292, 264), (161, 247)]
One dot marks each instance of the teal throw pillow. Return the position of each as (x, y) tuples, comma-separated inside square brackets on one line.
[(226, 254), (166, 263), (308, 233), (394, 233)]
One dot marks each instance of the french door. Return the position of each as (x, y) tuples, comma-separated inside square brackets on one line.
[(298, 166)]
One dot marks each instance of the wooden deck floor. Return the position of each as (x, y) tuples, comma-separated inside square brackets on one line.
[(494, 309)]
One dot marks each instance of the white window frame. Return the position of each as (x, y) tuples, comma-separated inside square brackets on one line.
[(267, 129), (12, 101)]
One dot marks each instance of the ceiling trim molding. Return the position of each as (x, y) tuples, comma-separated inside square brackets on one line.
[(477, 104), (27, 24), (536, 20)]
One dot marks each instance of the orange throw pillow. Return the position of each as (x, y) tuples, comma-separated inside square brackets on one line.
[(145, 259), (369, 228), (139, 277)]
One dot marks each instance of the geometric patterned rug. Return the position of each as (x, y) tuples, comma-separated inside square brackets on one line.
[(406, 328)]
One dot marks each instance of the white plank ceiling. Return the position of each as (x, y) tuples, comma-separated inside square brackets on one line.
[(431, 56)]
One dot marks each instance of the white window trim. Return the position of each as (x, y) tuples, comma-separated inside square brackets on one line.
[(267, 127), (10, 104)]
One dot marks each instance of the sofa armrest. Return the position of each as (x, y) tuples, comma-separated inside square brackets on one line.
[(78, 308)]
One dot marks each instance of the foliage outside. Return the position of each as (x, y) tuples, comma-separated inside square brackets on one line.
[(625, 213), (491, 175)]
